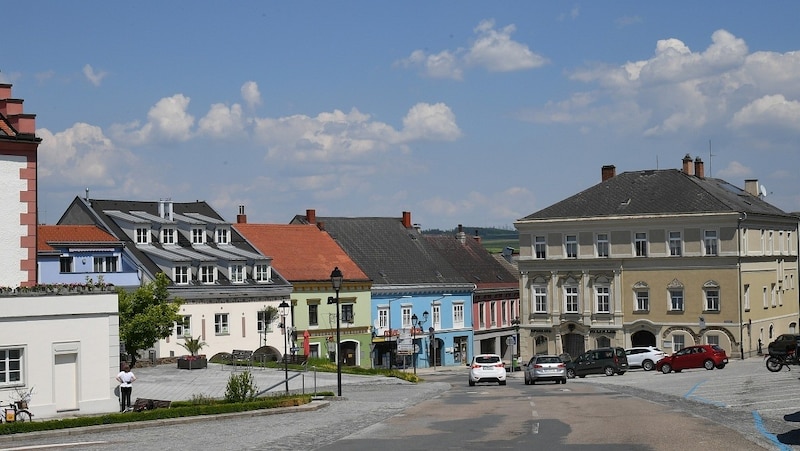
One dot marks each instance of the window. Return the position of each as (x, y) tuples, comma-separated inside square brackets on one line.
[(65, 264), (678, 342), (540, 247), (540, 299), (262, 273), (481, 315), (222, 236), (207, 273), (198, 235), (710, 240), (603, 299), (313, 314), (602, 245), (640, 244), (712, 339), (184, 328), (493, 313), (712, 299), (436, 310), (747, 297), (11, 366), (503, 314), (221, 323), (406, 317), (105, 264), (571, 246), (772, 295), (347, 313), (142, 235), (571, 299), (458, 315), (181, 276), (675, 244), (237, 273), (261, 322), (168, 235), (642, 301), (676, 300), (764, 296), (383, 317)]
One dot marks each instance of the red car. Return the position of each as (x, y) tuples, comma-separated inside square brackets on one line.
[(700, 356)]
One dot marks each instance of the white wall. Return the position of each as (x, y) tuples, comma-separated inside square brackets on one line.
[(70, 350), (10, 229)]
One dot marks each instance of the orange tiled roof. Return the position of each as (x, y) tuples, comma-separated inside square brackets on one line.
[(300, 252), (71, 234)]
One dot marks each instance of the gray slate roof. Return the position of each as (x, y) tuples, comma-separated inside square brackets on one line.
[(388, 252), (473, 262), (668, 191)]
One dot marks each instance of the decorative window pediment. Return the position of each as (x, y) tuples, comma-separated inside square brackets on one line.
[(711, 284), (641, 285), (602, 280), (538, 280), (675, 284)]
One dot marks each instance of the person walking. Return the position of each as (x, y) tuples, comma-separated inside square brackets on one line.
[(125, 379)]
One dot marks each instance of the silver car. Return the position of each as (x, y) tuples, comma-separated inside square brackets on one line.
[(545, 368), (645, 357)]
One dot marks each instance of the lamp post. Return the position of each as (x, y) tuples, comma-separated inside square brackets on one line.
[(515, 323), (415, 322), (284, 307), (336, 281)]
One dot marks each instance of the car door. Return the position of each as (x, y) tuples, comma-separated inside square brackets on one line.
[(581, 364), (682, 358)]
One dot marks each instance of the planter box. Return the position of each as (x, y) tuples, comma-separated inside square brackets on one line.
[(196, 364)]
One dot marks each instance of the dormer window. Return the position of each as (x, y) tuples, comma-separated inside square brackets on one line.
[(181, 276), (168, 236), (198, 235), (207, 274), (142, 235), (222, 236), (236, 273), (262, 273)]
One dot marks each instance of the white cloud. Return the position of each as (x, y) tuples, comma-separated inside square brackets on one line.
[(431, 122), (221, 121), (734, 170), (167, 120), (503, 206), (492, 50), (94, 77), (769, 111), (251, 94)]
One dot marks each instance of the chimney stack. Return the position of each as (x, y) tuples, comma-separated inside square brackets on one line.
[(751, 187), (461, 236), (687, 164), (477, 237), (241, 218), (311, 216), (699, 171), (407, 219), (608, 171)]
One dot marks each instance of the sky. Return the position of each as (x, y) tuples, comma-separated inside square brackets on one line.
[(473, 113)]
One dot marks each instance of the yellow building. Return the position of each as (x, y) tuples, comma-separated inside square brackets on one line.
[(666, 258)]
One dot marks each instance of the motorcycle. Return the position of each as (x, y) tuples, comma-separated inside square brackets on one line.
[(776, 362)]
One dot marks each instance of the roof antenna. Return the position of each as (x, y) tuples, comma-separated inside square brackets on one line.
[(710, 156)]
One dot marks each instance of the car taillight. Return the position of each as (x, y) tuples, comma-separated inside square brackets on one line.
[(501, 365), (561, 365), (475, 365), (537, 366)]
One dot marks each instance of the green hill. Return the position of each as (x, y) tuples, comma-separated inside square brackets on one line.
[(493, 239)]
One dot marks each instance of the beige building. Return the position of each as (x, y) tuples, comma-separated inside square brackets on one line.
[(666, 258)]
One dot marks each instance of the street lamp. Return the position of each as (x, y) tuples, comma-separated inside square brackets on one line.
[(415, 322), (284, 306), (336, 281), (515, 323)]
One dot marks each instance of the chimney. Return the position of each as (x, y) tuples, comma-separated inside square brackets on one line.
[(608, 171), (699, 171), (311, 216), (241, 218), (5, 91), (687, 164), (165, 209), (751, 187), (477, 237), (407, 219), (461, 236), (12, 109)]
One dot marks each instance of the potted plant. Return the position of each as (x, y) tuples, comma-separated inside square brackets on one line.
[(194, 360)]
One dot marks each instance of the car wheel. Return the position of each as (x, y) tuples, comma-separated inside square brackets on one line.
[(571, 373), (620, 373), (648, 365), (665, 368), (708, 364), (720, 366), (608, 371), (471, 383), (582, 376), (774, 364)]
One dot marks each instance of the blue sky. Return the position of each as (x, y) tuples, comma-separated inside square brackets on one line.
[(473, 113)]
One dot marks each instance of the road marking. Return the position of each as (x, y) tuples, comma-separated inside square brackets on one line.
[(535, 428), (55, 445)]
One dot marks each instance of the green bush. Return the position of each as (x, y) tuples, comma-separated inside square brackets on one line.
[(241, 388)]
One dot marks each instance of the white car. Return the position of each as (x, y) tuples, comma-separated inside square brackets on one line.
[(645, 357), (487, 368)]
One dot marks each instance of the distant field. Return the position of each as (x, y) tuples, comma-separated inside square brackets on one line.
[(497, 246)]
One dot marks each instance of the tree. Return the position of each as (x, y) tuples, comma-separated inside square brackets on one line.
[(147, 315), (193, 345)]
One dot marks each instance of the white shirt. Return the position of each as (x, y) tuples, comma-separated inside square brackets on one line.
[(126, 378)]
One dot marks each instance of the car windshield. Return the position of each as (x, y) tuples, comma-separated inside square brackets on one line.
[(548, 360), (483, 359)]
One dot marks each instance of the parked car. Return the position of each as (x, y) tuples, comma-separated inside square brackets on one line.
[(487, 368), (783, 345), (545, 368), (699, 356), (608, 361), (644, 357)]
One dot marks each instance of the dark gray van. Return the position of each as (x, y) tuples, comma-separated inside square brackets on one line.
[(608, 361)]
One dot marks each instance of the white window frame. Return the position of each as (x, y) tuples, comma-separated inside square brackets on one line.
[(642, 300), (572, 301), (712, 339), (405, 316), (677, 300), (540, 247), (539, 298), (383, 317), (458, 315), (640, 244), (675, 244), (571, 246), (142, 235), (184, 327), (107, 263), (221, 324), (168, 235), (236, 273), (602, 245), (602, 299), (13, 364), (198, 235), (262, 273), (678, 342), (711, 297), (482, 315), (207, 274), (222, 235), (710, 243), (436, 312), (181, 275), (493, 313)]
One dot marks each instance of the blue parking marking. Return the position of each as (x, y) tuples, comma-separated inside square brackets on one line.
[(689, 395), (769, 436)]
